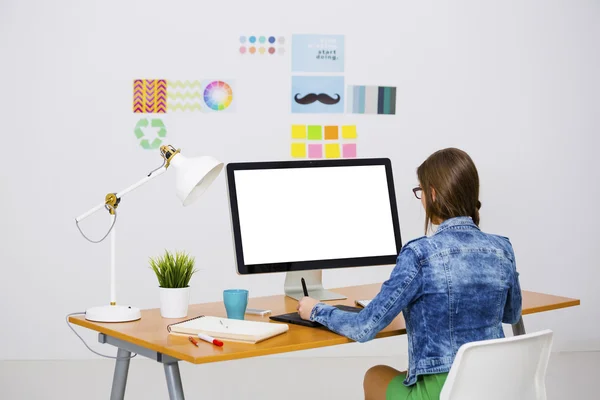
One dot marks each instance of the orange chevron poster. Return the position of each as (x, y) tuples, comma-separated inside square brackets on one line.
[(150, 96)]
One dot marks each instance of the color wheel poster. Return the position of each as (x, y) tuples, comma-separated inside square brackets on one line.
[(218, 96), (318, 53)]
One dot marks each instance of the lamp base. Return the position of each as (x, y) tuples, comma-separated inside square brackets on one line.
[(113, 314)]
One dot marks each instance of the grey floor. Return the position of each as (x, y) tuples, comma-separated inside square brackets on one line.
[(570, 376)]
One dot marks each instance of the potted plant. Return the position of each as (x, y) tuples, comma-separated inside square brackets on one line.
[(174, 272)]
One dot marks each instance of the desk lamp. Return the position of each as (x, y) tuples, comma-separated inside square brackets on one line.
[(193, 177)]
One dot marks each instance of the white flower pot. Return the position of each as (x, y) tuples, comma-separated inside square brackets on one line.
[(174, 302)]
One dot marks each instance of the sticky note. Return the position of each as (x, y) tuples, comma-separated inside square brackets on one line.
[(349, 131), (332, 150), (349, 150), (315, 132), (331, 133), (315, 151), (299, 150), (298, 131)]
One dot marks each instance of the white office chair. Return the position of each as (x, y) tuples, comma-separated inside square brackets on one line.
[(500, 369)]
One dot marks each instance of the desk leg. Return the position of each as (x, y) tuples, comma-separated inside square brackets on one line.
[(174, 381), (519, 327), (120, 375)]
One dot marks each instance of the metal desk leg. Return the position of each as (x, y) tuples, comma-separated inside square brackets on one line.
[(174, 381), (519, 327), (120, 375), (122, 367)]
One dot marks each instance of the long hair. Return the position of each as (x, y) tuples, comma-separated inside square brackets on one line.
[(453, 176)]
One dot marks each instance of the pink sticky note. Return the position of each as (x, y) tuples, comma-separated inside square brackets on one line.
[(315, 151), (349, 150)]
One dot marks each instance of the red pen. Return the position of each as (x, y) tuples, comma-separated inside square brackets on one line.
[(206, 338)]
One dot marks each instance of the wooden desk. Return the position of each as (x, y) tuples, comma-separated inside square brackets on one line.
[(149, 337)]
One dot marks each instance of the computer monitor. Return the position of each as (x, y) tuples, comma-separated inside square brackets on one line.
[(301, 217)]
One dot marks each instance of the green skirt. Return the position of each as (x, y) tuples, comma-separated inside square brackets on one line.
[(428, 387)]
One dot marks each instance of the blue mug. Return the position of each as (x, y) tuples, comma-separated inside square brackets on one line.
[(236, 301)]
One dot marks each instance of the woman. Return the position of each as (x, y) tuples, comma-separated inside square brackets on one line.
[(456, 286)]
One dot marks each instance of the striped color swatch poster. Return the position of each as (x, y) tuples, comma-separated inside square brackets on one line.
[(371, 100)]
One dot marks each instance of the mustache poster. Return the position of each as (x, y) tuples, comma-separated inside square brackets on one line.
[(318, 94), (321, 98)]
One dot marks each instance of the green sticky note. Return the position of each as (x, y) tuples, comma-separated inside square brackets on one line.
[(315, 132)]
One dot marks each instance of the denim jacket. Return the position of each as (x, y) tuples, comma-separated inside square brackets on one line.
[(457, 286)]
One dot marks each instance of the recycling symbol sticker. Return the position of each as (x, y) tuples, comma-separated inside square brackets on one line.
[(142, 126)]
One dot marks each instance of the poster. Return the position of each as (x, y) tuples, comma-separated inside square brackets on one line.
[(150, 96), (318, 53), (317, 94), (371, 100)]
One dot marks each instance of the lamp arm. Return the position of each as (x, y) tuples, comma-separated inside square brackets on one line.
[(139, 183), (90, 212), (117, 197)]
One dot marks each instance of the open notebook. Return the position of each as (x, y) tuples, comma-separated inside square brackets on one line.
[(229, 329)]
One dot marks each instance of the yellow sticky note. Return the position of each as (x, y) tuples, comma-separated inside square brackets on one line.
[(299, 150), (332, 150), (298, 131), (349, 131)]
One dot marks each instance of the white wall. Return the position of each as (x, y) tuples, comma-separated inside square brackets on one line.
[(515, 83)]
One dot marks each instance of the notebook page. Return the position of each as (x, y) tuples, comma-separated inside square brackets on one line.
[(232, 326)]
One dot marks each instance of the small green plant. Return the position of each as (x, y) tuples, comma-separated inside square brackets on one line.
[(173, 270)]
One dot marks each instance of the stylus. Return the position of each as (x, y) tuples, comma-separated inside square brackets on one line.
[(304, 287)]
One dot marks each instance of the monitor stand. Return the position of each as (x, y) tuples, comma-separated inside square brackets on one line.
[(314, 283)]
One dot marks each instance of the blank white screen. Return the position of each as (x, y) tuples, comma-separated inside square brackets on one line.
[(305, 214)]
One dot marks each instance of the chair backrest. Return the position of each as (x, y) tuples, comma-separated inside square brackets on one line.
[(500, 369)]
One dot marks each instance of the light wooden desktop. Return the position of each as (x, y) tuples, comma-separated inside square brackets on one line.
[(149, 335)]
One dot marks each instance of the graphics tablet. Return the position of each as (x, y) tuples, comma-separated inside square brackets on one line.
[(294, 318)]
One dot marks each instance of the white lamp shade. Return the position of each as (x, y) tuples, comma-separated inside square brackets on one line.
[(194, 175)]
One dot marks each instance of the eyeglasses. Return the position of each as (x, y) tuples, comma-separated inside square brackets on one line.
[(417, 191)]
